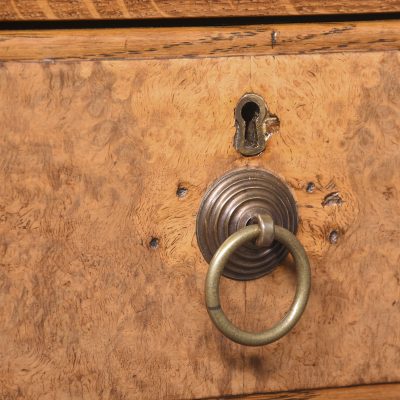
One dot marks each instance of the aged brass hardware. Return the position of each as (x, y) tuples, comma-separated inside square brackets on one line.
[(265, 230), (245, 228), (232, 203), (254, 125)]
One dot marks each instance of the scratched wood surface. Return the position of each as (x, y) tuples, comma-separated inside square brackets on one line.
[(199, 42), (367, 392), (102, 281), (134, 9)]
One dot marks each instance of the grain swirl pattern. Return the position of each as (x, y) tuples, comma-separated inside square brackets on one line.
[(91, 156)]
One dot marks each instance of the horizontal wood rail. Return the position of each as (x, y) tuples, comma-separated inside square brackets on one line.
[(193, 42), (367, 392)]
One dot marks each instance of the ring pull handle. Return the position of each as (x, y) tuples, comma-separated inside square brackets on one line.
[(265, 232)]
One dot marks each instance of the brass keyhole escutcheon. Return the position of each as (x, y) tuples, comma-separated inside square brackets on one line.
[(232, 203), (254, 125)]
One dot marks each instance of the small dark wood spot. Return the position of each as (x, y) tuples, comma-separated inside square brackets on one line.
[(334, 236), (388, 193), (181, 191), (154, 242), (310, 187)]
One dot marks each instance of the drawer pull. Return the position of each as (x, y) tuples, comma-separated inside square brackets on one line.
[(264, 232)]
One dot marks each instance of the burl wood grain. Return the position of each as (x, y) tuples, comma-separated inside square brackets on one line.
[(91, 157), (143, 9), (198, 42)]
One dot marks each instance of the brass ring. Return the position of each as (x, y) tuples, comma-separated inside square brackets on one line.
[(299, 303)]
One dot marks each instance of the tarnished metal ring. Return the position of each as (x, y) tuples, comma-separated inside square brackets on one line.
[(299, 303)]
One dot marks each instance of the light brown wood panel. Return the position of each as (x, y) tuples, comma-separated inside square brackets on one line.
[(368, 392), (354, 122), (142, 9), (91, 156), (198, 42)]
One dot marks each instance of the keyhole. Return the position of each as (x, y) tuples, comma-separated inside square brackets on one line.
[(250, 113), (252, 128)]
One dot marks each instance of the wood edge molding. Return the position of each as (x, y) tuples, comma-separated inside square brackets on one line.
[(195, 42), (41, 10), (387, 391)]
